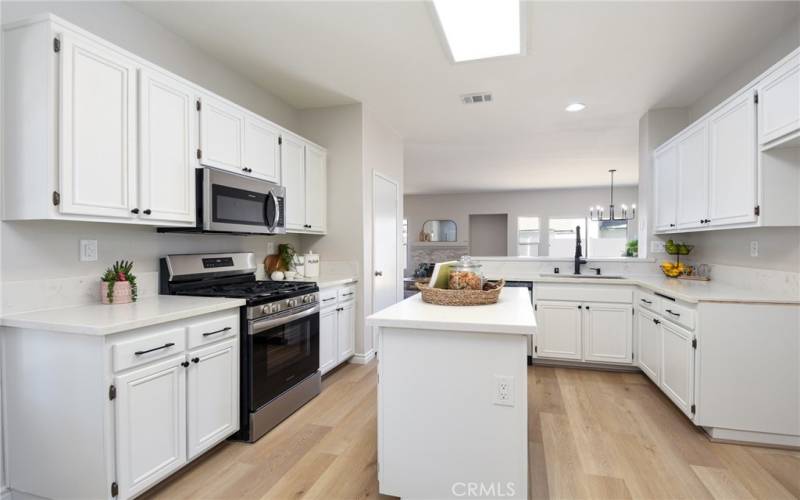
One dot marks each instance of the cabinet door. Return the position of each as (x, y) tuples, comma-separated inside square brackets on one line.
[(665, 187), (733, 164), (213, 395), (262, 152), (150, 424), (346, 331), (559, 329), (97, 130), (328, 339), (608, 333), (649, 344), (168, 128), (677, 365), (693, 177), (293, 176), (316, 194), (221, 131), (779, 102)]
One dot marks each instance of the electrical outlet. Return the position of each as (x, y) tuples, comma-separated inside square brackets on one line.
[(270, 248), (657, 246), (753, 249), (88, 250), (503, 390)]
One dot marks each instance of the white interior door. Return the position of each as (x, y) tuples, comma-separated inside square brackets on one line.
[(385, 240), (97, 130), (168, 127)]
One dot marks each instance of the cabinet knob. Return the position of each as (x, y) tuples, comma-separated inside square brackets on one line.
[(580, 307), (135, 211), (195, 360), (672, 225), (185, 364), (147, 211)]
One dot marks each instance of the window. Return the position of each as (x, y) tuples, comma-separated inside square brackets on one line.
[(405, 244), (528, 236), (562, 236), (607, 239)]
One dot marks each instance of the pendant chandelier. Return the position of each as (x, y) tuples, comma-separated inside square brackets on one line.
[(598, 213)]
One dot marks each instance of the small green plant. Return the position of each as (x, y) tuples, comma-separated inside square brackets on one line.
[(120, 271), (286, 252), (632, 248)]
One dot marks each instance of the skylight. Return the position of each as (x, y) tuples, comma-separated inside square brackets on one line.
[(480, 29)]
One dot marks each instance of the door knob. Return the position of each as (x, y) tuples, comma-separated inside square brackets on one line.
[(378, 273)]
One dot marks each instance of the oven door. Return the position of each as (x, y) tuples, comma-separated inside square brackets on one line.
[(284, 350), (233, 203)]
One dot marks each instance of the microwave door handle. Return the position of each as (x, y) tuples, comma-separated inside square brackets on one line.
[(270, 197)]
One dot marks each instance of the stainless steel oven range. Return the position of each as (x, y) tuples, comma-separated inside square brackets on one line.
[(279, 333)]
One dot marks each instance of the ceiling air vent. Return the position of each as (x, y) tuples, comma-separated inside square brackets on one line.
[(477, 98)]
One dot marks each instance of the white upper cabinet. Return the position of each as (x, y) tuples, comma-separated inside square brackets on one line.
[(665, 187), (779, 102), (97, 130), (262, 154), (733, 165), (167, 144), (693, 177), (608, 332), (316, 195), (221, 133), (293, 175)]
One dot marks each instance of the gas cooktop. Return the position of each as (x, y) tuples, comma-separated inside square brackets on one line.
[(253, 290)]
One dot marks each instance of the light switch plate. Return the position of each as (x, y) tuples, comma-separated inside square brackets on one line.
[(753, 249), (88, 250)]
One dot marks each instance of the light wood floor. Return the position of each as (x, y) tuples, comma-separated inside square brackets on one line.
[(592, 434)]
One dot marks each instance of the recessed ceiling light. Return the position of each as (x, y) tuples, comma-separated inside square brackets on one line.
[(479, 29), (575, 107)]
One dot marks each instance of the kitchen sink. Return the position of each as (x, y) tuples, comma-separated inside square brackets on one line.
[(585, 276)]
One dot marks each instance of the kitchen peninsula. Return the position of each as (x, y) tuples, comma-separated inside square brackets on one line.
[(452, 397)]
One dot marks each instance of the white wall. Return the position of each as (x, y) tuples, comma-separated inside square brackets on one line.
[(779, 248), (488, 234), (542, 203)]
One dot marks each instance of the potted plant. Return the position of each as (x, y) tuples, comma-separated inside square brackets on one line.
[(118, 284), (286, 252)]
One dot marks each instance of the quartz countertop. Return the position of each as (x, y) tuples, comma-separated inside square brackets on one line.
[(101, 319), (512, 314), (329, 280), (686, 290)]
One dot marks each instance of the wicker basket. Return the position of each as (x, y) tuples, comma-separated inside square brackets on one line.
[(444, 297)]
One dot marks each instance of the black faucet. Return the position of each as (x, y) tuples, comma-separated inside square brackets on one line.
[(578, 250)]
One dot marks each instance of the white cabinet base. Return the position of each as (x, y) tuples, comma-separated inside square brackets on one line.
[(720, 435)]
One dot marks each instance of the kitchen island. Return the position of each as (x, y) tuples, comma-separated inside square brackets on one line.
[(452, 398)]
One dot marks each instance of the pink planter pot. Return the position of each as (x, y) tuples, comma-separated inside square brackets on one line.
[(121, 295)]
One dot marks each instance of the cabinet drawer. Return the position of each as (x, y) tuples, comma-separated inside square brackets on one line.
[(327, 297), (347, 293), (585, 293), (677, 313), (212, 330), (648, 301), (148, 348)]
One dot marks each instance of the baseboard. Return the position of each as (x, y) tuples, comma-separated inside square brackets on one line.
[(5, 493), (558, 363), (732, 436), (362, 358)]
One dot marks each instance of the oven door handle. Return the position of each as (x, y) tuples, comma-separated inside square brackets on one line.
[(262, 325)]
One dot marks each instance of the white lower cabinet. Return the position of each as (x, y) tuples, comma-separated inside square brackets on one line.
[(337, 327), (608, 333), (677, 362), (559, 330), (212, 395), (649, 344), (150, 424)]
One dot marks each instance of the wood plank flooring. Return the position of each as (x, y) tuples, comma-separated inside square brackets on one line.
[(592, 434)]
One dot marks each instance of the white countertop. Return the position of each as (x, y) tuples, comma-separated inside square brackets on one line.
[(329, 280), (101, 319), (686, 290), (513, 314)]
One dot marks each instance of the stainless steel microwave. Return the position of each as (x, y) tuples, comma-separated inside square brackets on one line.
[(232, 203)]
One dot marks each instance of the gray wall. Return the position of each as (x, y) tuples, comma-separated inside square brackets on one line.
[(36, 250), (488, 234), (779, 248), (541, 203)]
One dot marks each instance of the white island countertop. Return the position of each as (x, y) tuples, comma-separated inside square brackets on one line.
[(512, 314), (101, 319)]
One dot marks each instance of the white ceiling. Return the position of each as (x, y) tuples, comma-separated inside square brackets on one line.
[(620, 58)]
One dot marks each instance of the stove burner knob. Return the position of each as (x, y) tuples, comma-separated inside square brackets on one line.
[(266, 309), (273, 308), (307, 299), (291, 303)]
